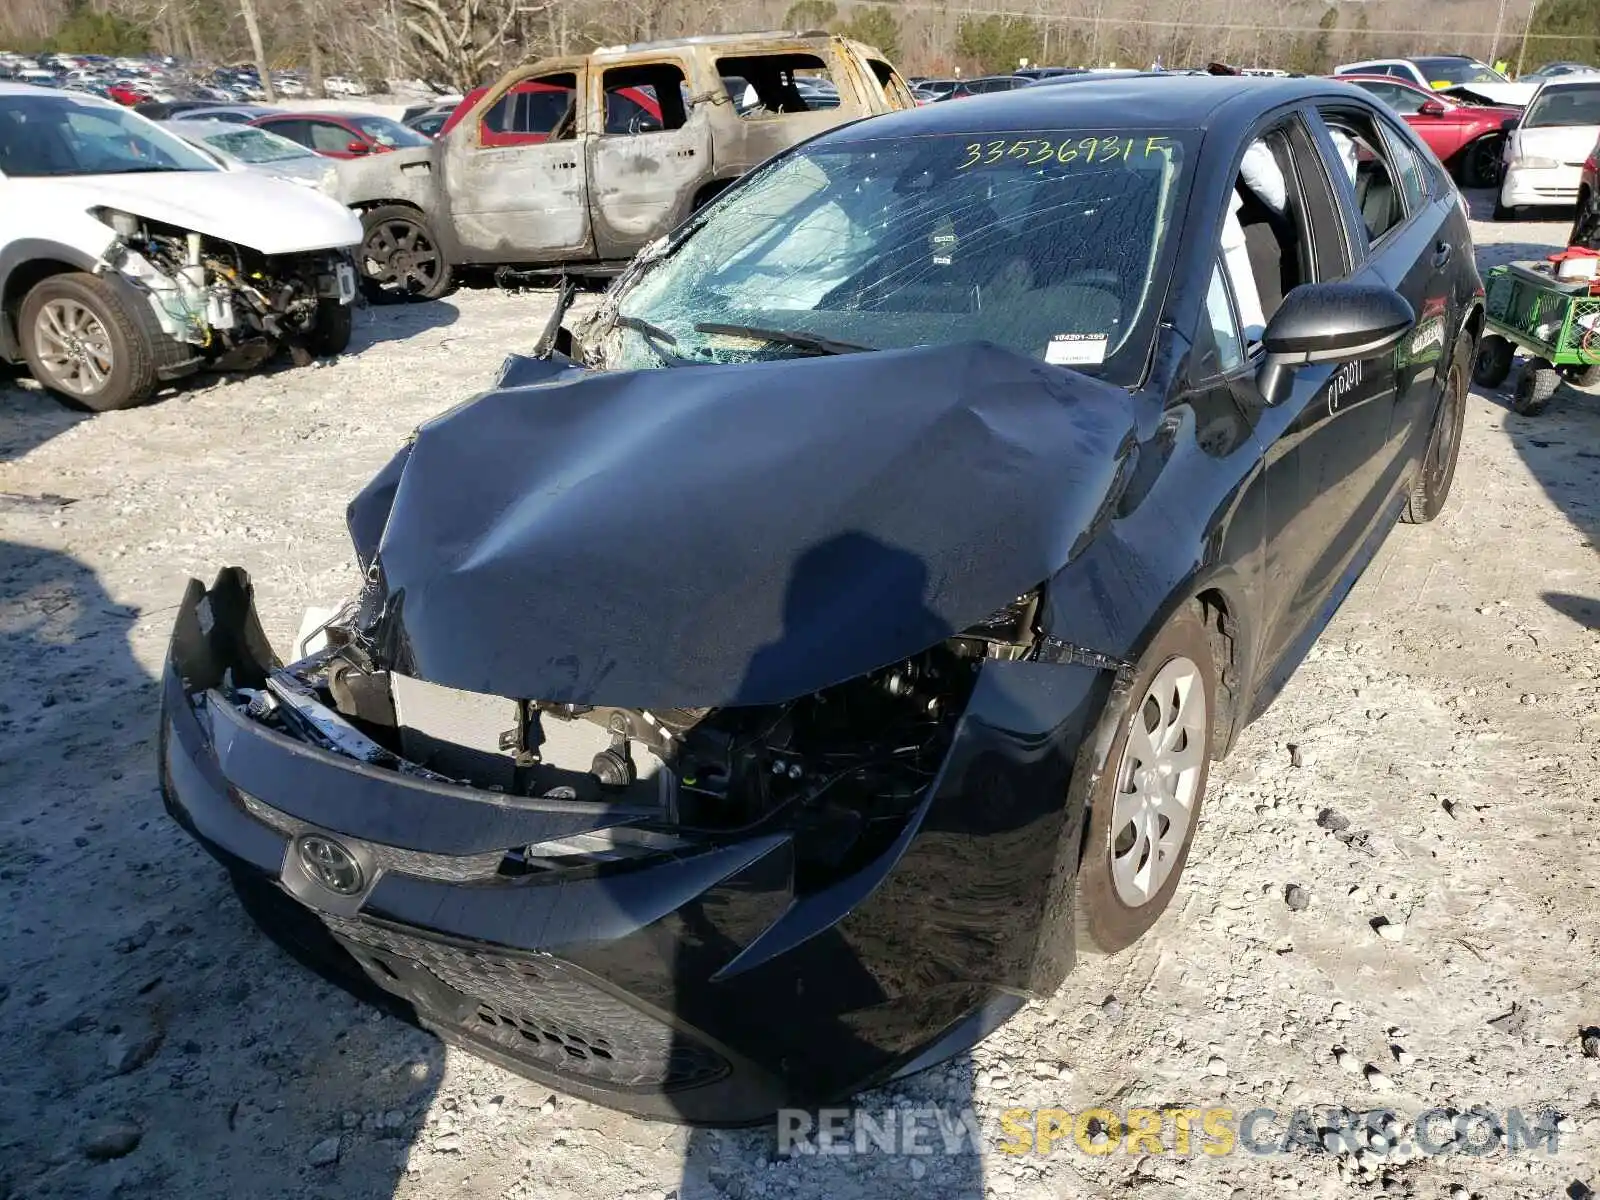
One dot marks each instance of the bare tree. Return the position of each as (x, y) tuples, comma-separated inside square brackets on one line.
[(459, 40), (247, 10)]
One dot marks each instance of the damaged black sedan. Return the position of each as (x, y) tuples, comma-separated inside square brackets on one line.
[(783, 675)]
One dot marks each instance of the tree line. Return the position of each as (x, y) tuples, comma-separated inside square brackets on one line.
[(459, 43)]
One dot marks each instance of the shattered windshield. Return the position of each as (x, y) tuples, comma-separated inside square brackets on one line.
[(252, 145), (48, 136), (1049, 243)]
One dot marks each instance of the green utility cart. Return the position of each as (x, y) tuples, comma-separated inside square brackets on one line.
[(1555, 322)]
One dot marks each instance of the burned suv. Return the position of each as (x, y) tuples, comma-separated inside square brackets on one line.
[(582, 161)]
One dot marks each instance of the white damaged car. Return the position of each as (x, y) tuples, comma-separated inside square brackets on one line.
[(128, 257)]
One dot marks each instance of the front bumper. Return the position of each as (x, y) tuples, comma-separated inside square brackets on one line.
[(1531, 186), (698, 986)]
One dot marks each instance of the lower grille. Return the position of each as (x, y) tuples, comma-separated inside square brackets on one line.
[(537, 1008)]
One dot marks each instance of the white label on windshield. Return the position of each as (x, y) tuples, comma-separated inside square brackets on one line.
[(1076, 349)]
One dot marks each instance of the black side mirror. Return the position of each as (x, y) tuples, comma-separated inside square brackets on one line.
[(1329, 323)]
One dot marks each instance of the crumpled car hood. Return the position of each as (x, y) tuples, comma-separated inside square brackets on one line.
[(738, 534), (249, 208)]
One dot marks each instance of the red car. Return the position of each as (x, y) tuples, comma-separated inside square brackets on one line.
[(128, 93), (1467, 138), (341, 135), (529, 113)]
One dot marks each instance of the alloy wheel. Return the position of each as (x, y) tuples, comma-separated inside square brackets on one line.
[(73, 347), (399, 254), (1158, 781)]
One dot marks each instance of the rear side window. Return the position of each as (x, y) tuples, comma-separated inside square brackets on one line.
[(295, 131), (645, 98), (1370, 170), (893, 86), (778, 84)]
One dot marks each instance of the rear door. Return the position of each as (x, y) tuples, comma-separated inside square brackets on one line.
[(514, 172), (648, 152)]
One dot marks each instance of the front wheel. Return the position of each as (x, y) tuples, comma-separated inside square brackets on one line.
[(330, 334), (1506, 212), (401, 258), (82, 341), (1480, 162), (1438, 468), (1145, 807)]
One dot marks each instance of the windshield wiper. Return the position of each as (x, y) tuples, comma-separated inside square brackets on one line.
[(816, 343), (654, 336)]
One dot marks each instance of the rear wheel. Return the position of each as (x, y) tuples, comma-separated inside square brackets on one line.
[(1145, 808), (1480, 162), (1438, 469), (1493, 363), (1537, 383), (401, 258), (83, 342)]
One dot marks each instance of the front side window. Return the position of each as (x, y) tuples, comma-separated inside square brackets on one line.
[(328, 138), (54, 136), (1047, 242), (1569, 104), (534, 111)]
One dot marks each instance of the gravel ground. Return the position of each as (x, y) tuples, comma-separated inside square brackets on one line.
[(151, 1044)]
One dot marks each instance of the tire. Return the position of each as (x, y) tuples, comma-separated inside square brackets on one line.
[(1506, 213), (1586, 225), (425, 273), (1537, 383), (1113, 909), (1480, 162), (1492, 365), (330, 336), (1437, 470), (83, 342), (1581, 376)]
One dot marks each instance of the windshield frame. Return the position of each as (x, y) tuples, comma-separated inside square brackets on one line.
[(189, 158), (1127, 365)]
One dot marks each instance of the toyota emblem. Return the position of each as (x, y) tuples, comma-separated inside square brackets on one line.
[(331, 865)]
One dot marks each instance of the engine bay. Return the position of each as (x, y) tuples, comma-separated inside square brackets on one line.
[(236, 305), (839, 769)]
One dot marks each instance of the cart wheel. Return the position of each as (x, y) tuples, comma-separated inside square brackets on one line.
[(1581, 374), (1537, 383), (1493, 362)]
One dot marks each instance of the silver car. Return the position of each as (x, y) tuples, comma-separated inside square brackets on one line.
[(249, 148)]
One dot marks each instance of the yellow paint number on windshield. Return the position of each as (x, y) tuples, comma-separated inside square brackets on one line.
[(1035, 152)]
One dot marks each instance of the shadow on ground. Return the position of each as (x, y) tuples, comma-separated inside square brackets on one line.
[(171, 1051)]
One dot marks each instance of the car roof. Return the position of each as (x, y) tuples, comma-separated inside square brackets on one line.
[(27, 89), (1150, 100), (1555, 82)]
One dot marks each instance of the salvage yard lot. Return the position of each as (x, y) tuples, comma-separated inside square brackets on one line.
[(1448, 783)]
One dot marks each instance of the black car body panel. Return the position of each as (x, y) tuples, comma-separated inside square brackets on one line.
[(805, 544), (631, 539)]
